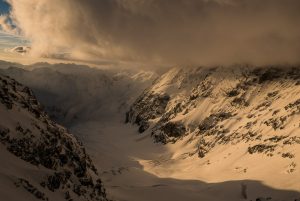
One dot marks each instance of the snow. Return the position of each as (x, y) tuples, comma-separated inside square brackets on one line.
[(27, 133), (170, 169), (13, 168), (134, 168)]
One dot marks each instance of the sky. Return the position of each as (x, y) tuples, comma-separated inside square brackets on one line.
[(4, 7), (202, 32), (7, 39)]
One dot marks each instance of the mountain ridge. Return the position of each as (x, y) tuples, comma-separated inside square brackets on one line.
[(57, 156), (221, 120)]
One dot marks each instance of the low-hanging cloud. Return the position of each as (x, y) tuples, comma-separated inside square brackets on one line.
[(166, 31), (6, 25)]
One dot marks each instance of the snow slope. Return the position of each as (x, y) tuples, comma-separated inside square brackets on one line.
[(137, 169), (40, 159), (223, 124)]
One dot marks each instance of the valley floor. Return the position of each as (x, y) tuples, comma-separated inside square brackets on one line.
[(134, 168)]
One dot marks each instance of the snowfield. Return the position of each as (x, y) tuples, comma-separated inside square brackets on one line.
[(212, 134)]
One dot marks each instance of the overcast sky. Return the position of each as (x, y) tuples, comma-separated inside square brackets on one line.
[(170, 32)]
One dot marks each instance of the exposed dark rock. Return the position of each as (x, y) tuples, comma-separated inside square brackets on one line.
[(211, 121), (201, 153), (86, 181), (264, 105), (3, 132), (54, 182), (292, 140), (31, 189), (233, 92), (272, 94), (169, 132), (293, 105), (276, 122), (276, 139), (287, 155), (240, 101), (270, 75), (173, 129), (47, 144), (261, 148), (148, 107)]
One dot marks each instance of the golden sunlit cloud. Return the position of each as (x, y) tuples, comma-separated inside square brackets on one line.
[(157, 31)]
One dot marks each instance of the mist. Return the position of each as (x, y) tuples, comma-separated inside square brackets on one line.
[(204, 32)]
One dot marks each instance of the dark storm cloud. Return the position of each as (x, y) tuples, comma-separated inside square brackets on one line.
[(166, 31)]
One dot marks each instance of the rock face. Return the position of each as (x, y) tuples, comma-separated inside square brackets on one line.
[(28, 133), (220, 106), (151, 107)]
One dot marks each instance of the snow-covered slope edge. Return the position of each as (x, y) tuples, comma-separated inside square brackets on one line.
[(41, 160), (223, 124)]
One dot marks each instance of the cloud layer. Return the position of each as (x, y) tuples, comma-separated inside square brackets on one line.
[(6, 25), (160, 31)]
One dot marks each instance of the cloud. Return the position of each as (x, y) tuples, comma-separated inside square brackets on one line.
[(168, 32), (20, 50), (6, 25)]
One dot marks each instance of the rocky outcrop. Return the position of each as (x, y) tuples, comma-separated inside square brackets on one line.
[(219, 106), (147, 107), (168, 130), (29, 134), (31, 189)]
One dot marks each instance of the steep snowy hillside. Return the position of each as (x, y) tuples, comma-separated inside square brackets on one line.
[(40, 159), (225, 124), (73, 93), (217, 140)]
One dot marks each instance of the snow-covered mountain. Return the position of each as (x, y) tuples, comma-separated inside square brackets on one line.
[(76, 93), (222, 133), (225, 123), (41, 160)]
